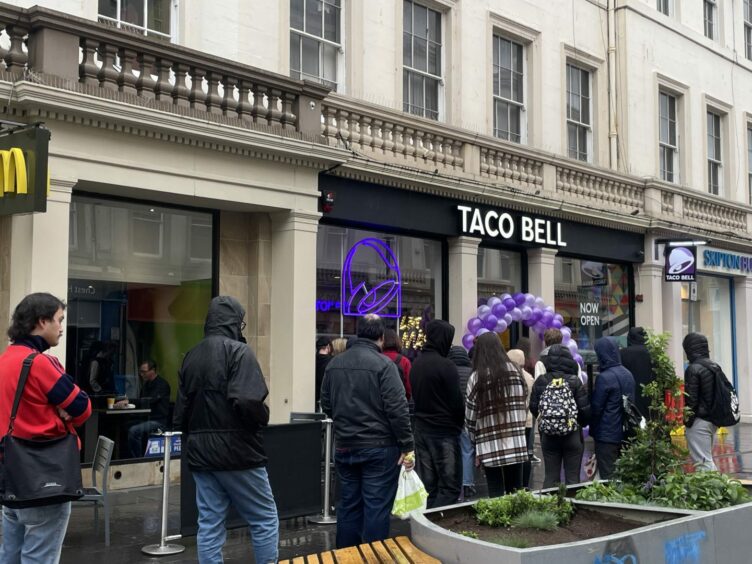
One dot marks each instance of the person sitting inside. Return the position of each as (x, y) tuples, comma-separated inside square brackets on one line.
[(155, 395)]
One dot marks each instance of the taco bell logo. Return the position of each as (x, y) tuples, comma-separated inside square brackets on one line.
[(375, 293), (681, 264)]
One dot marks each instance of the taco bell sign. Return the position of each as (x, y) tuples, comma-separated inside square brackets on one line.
[(681, 264)]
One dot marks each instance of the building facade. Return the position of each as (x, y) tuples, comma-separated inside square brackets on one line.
[(294, 153)]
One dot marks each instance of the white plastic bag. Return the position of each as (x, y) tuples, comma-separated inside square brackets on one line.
[(411, 495)]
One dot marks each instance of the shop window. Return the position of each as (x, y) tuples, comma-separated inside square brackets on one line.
[(579, 114), (200, 239), (508, 89), (593, 298), (148, 17), (421, 59), (499, 272), (315, 42)]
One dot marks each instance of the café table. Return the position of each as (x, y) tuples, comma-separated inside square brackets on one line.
[(106, 419)]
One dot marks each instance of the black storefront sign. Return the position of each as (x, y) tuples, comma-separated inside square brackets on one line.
[(23, 170), (680, 264)]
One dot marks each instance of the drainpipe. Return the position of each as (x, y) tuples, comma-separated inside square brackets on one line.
[(613, 155)]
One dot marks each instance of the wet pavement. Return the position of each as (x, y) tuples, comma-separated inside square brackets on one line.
[(135, 519)]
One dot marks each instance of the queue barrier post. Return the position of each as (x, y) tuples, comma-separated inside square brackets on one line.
[(326, 518)]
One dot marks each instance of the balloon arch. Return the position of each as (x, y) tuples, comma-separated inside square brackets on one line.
[(499, 312)]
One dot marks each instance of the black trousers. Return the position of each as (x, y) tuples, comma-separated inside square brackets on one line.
[(606, 454), (566, 450), (438, 460), (503, 479), (527, 467)]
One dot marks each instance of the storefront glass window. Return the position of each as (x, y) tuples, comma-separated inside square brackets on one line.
[(499, 272), (706, 309), (140, 282), (593, 299), (418, 269)]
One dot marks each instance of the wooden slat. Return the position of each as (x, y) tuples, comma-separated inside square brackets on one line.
[(368, 554), (415, 555), (349, 555), (382, 552), (396, 551), (326, 558), (299, 560), (312, 559)]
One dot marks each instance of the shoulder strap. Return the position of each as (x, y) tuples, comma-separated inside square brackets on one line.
[(20, 388)]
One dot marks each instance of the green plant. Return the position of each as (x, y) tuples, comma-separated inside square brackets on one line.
[(470, 534), (703, 491), (514, 541), (499, 511), (536, 519)]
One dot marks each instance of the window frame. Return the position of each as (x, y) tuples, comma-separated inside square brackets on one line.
[(714, 163), (409, 71), (749, 161), (665, 146), (747, 16), (665, 7), (119, 23), (498, 98), (710, 19), (322, 42), (587, 127), (159, 219)]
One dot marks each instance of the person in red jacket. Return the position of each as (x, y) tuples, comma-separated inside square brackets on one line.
[(51, 406), (393, 350)]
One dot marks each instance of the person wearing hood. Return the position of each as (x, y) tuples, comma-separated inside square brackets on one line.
[(635, 357), (699, 387), (458, 355), (439, 416), (606, 406), (323, 356), (221, 411)]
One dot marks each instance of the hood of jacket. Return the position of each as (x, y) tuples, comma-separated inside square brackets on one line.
[(559, 360), (458, 355), (608, 353), (696, 346), (224, 318), (636, 336), (439, 335), (517, 356)]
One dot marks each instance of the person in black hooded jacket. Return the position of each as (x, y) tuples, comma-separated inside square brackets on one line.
[(458, 355), (699, 387), (635, 357), (220, 410), (439, 416), (566, 449)]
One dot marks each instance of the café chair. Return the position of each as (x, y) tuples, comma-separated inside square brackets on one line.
[(98, 495)]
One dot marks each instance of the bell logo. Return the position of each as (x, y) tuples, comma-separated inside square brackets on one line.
[(13, 177)]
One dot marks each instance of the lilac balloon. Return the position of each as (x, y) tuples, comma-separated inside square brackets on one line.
[(546, 318), (540, 335), (519, 298), (516, 314), (492, 301), (549, 308), (499, 310), (566, 331), (526, 312), (474, 324), (559, 318), (578, 358), (505, 297), (528, 322), (481, 332), (530, 300), (501, 326), (556, 324), (509, 303), (508, 318), (490, 322), (467, 341), (483, 311), (540, 302), (565, 339), (572, 346)]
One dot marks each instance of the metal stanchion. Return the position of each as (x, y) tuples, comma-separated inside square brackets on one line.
[(163, 549), (326, 518)]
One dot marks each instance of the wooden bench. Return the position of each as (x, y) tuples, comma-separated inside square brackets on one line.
[(398, 549)]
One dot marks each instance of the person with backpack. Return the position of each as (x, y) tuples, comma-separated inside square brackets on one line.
[(495, 414), (393, 350), (711, 399), (560, 403), (607, 405)]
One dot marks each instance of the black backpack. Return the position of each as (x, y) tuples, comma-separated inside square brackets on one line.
[(725, 412)]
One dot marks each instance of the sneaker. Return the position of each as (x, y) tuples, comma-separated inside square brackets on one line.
[(535, 460), (468, 492)]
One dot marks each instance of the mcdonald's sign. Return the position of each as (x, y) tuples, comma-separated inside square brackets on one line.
[(24, 177)]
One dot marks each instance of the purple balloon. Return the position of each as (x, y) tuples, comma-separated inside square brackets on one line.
[(505, 296), (566, 331), (467, 341), (526, 312), (550, 309), (516, 314), (556, 324), (546, 318), (586, 431), (559, 318), (492, 301), (501, 326), (499, 310), (519, 298), (509, 303), (474, 324), (565, 339), (540, 302), (529, 300), (483, 311), (490, 322), (481, 332), (578, 358), (540, 335), (537, 314), (572, 346), (508, 318)]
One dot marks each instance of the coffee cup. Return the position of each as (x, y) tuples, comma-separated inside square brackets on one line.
[(110, 403)]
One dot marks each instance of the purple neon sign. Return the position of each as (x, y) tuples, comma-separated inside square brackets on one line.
[(385, 298)]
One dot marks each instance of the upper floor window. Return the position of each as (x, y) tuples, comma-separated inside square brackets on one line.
[(715, 156), (421, 59), (710, 16), (667, 142), (508, 89), (749, 162), (315, 40), (579, 113), (150, 17), (148, 231), (748, 28), (664, 7)]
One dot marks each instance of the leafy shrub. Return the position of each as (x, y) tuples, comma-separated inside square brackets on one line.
[(536, 519), (499, 511)]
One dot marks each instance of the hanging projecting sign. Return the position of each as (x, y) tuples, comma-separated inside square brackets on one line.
[(503, 225), (681, 264), (24, 179)]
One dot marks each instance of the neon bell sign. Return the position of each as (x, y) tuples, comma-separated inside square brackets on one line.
[(385, 297)]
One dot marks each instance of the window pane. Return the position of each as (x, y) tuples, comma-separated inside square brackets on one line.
[(310, 57), (132, 11), (505, 86), (420, 27), (159, 16), (664, 130), (434, 58), (502, 119), (416, 92), (514, 123), (496, 48), (432, 98), (672, 133), (572, 140), (662, 153), (420, 54), (585, 83), (330, 63), (517, 86), (496, 78), (582, 141), (108, 8), (331, 23), (434, 26), (407, 16), (575, 113), (506, 54), (405, 91), (517, 58), (294, 52), (585, 110), (296, 14), (313, 17), (407, 51)]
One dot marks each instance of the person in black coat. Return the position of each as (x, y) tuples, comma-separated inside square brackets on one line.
[(458, 355), (635, 357), (566, 449), (323, 356), (439, 416)]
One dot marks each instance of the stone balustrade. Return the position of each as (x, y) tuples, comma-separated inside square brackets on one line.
[(603, 189), (721, 214), (508, 166)]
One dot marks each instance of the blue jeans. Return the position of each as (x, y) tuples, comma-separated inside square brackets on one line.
[(468, 459), (138, 434), (249, 491), (34, 534), (368, 483)]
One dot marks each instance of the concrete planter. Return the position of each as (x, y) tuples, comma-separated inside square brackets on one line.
[(712, 537)]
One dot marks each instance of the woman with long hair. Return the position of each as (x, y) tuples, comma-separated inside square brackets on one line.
[(495, 414)]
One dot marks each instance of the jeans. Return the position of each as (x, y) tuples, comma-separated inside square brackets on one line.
[(34, 534), (700, 443), (557, 449), (249, 491), (138, 434), (438, 462), (468, 459), (368, 479), (503, 479), (606, 455)]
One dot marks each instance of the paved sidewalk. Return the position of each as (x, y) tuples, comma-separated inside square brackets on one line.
[(136, 514)]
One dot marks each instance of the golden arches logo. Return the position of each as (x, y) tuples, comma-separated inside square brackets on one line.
[(13, 177)]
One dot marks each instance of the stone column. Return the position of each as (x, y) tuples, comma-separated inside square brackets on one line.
[(672, 323), (743, 299), (293, 322), (649, 283), (541, 281), (463, 283), (39, 251)]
